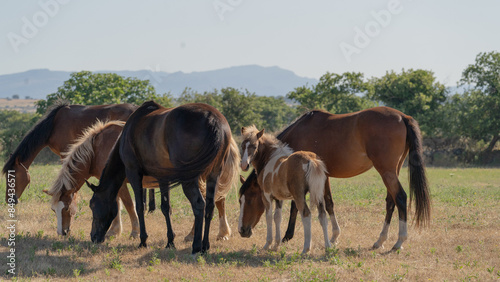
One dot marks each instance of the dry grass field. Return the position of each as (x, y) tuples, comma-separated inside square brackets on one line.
[(462, 243), (21, 105)]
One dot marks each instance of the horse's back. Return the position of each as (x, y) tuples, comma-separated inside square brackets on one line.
[(167, 142), (71, 120), (345, 142)]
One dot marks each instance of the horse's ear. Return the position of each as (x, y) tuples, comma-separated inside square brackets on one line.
[(242, 179), (91, 186), (46, 192), (242, 129), (260, 133)]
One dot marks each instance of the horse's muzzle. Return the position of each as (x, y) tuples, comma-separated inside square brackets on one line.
[(96, 239), (245, 232)]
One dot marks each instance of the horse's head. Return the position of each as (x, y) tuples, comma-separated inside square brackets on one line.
[(104, 210), (64, 204), (17, 177), (251, 136), (251, 205)]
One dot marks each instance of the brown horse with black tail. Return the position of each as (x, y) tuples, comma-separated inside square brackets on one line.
[(350, 144), (179, 145)]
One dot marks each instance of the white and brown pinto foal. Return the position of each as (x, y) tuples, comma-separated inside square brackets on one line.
[(284, 175)]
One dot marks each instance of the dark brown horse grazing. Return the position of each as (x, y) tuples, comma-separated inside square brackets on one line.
[(179, 145), (351, 144), (58, 130)]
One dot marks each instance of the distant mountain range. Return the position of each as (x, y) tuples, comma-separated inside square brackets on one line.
[(263, 81)]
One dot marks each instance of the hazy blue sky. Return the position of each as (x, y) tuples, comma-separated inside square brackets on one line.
[(306, 37)]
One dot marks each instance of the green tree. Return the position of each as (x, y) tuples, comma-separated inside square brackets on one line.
[(336, 93), (414, 92), (13, 127), (274, 113), (89, 88), (480, 118)]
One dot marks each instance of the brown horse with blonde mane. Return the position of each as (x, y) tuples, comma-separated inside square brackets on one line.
[(283, 175), (178, 145), (86, 158), (350, 144)]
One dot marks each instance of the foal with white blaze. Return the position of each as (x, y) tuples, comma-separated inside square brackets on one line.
[(284, 175)]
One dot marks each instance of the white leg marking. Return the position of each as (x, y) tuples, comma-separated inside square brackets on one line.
[(335, 229), (306, 221), (277, 224), (324, 224), (240, 221), (58, 209), (382, 237), (269, 222), (403, 235)]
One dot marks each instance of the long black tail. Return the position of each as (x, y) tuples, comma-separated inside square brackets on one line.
[(419, 188), (35, 139)]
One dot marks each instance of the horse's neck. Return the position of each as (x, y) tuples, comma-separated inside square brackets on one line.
[(269, 152), (113, 174)]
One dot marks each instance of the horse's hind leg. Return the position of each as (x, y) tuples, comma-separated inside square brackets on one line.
[(116, 226), (396, 196), (152, 203), (209, 209), (165, 208), (329, 208), (277, 224), (324, 224), (224, 229), (306, 221), (195, 197), (124, 195)]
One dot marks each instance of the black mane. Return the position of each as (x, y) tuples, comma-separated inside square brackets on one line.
[(37, 137)]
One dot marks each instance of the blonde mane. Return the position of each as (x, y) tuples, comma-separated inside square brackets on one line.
[(79, 152)]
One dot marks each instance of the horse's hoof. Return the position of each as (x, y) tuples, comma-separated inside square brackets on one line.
[(222, 237), (376, 246), (143, 245), (286, 239), (170, 245)]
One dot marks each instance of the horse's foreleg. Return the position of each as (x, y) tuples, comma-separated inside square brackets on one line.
[(135, 179), (195, 197), (165, 208), (224, 229), (116, 224), (277, 224), (124, 195), (291, 223), (329, 208), (269, 219)]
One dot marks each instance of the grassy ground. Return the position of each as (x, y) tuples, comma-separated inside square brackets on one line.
[(463, 242)]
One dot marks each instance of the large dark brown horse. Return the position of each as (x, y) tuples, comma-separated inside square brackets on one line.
[(179, 145), (351, 144), (58, 130)]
